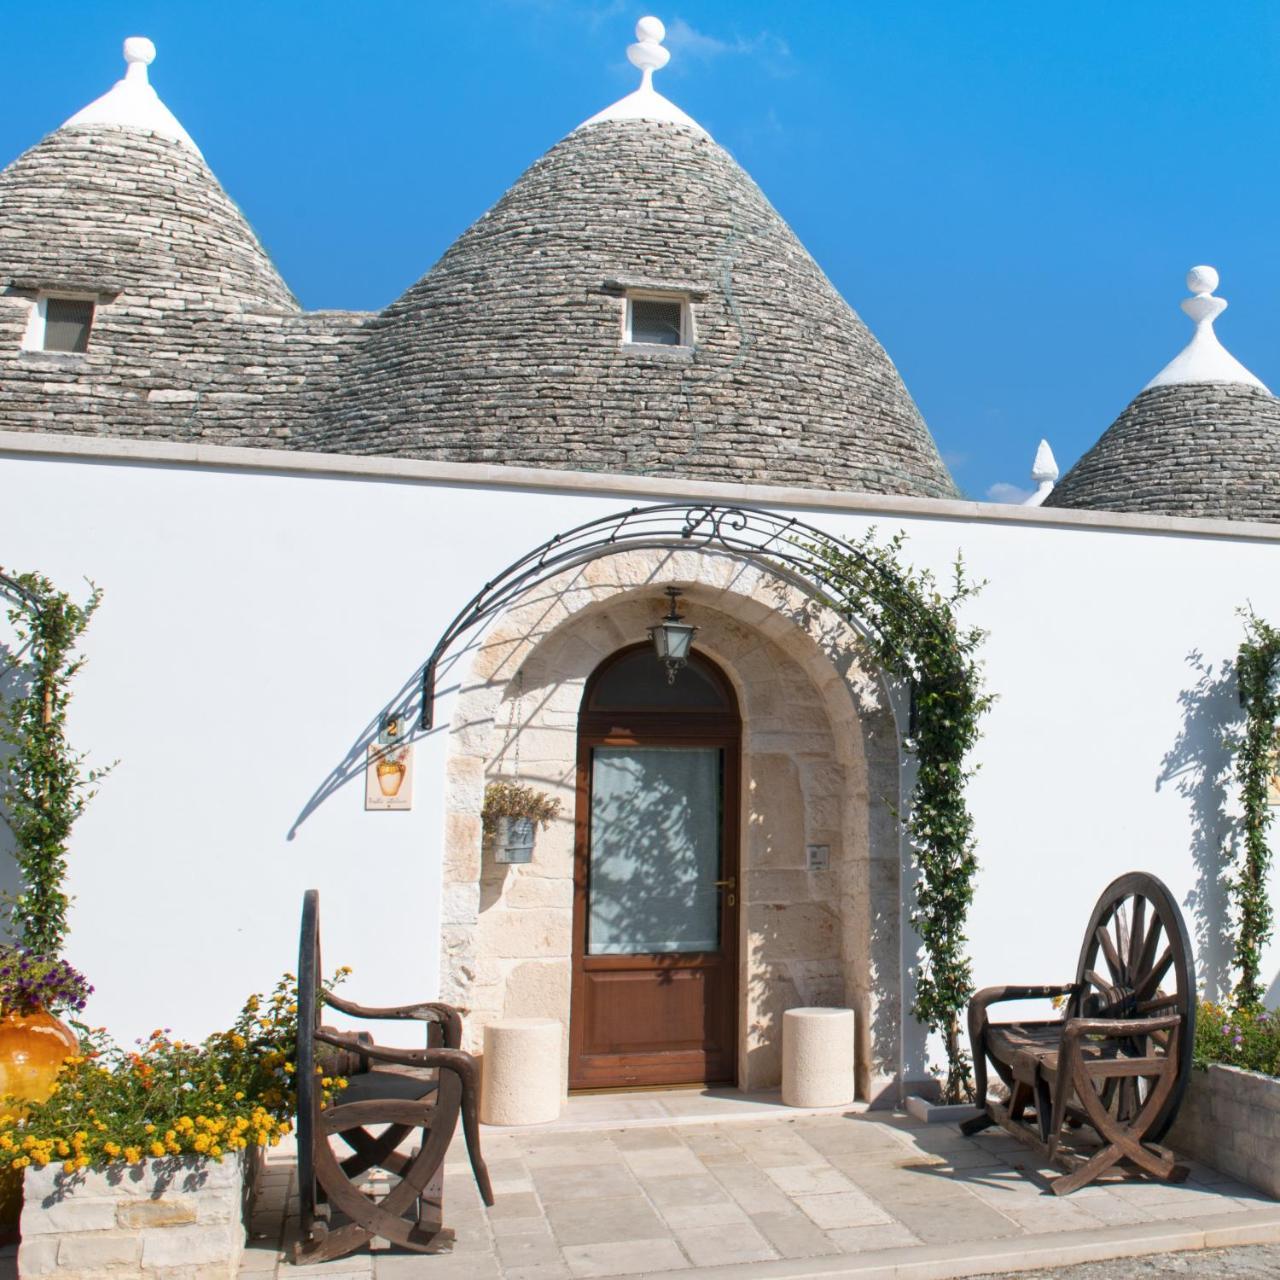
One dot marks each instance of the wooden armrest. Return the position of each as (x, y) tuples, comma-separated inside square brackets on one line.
[(427, 1011), (454, 1059), (1118, 1028), (998, 995)]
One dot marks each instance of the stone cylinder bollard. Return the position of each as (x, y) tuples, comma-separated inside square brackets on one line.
[(817, 1057), (520, 1078)]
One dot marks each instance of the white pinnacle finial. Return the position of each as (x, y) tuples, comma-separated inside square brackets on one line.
[(647, 53), (646, 103), (132, 103), (139, 54), (1044, 471), (1204, 358)]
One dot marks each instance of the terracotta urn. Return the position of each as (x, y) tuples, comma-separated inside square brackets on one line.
[(33, 1047)]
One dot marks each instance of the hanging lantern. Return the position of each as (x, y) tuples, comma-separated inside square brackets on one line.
[(672, 638)]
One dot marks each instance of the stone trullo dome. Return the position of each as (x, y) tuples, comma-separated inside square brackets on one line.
[(1202, 438), (190, 331), (635, 304)]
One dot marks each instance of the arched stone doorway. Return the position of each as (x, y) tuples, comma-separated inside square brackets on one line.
[(820, 766)]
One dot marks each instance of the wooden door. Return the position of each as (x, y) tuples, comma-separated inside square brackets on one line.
[(655, 971)]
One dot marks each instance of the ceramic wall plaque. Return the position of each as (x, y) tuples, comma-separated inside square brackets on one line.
[(388, 778)]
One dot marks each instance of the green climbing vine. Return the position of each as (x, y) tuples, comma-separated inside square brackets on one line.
[(1258, 675), (44, 785), (915, 633)]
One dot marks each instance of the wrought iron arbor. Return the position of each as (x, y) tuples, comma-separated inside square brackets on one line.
[(785, 545)]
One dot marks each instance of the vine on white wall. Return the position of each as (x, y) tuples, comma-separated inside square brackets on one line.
[(916, 634), (1258, 675)]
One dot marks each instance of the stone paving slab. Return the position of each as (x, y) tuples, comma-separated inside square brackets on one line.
[(859, 1194)]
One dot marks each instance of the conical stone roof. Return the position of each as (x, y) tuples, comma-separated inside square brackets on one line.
[(125, 210), (1192, 449), (1201, 439), (510, 349), (195, 336)]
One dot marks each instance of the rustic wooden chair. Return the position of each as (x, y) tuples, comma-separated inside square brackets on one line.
[(1119, 1059), (403, 1089)]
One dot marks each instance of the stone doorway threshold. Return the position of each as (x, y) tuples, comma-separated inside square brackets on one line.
[(694, 1104), (741, 1188)]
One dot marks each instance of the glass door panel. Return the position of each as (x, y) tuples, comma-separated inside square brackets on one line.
[(654, 855)]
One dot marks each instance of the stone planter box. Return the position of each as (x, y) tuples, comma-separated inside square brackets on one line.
[(1230, 1119), (938, 1112), (181, 1218)]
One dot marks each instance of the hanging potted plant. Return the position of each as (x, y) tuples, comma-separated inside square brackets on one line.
[(512, 814)]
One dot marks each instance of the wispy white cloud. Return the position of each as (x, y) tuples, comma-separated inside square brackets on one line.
[(597, 15), (1002, 492), (771, 51)]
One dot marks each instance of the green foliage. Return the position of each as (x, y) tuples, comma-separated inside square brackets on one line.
[(1248, 1038), (44, 785), (170, 1098), (1258, 674), (914, 632), (503, 799)]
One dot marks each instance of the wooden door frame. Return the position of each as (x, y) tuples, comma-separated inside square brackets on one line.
[(662, 728)]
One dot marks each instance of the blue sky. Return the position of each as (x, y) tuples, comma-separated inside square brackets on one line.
[(1008, 193)]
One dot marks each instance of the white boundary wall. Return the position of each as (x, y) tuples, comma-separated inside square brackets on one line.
[(262, 607)]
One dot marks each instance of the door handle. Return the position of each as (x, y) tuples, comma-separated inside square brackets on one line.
[(730, 883)]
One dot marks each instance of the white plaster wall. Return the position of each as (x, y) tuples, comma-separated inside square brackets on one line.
[(256, 623)]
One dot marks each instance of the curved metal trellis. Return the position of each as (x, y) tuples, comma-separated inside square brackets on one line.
[(783, 544)]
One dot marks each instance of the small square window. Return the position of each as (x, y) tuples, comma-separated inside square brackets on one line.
[(658, 322), (67, 322)]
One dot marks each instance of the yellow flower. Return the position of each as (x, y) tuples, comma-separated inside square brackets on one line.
[(148, 1128), (157, 1149), (239, 1095), (133, 1155)]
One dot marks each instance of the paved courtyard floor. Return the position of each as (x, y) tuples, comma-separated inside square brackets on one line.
[(760, 1191)]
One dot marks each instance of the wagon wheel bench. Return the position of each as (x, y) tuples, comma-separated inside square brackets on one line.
[(401, 1089), (1119, 1060)]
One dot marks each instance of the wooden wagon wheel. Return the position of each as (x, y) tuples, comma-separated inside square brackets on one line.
[(1136, 962)]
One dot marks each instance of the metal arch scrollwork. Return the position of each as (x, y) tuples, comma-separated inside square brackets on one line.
[(785, 545)]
